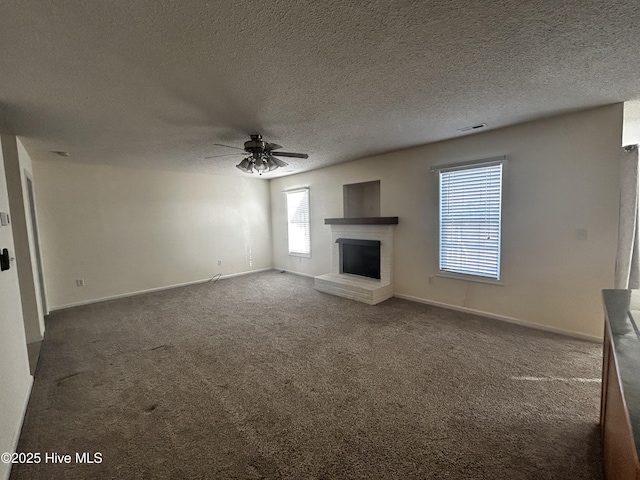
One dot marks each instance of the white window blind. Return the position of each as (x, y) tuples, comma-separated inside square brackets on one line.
[(470, 216), (298, 221)]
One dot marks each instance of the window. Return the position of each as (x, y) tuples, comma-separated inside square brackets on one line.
[(470, 214), (298, 221)]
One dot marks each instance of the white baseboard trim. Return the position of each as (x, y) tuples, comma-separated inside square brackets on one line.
[(294, 272), (16, 435), (248, 272), (156, 289), (37, 338), (503, 318)]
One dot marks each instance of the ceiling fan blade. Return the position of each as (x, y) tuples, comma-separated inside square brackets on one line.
[(225, 155), (291, 155), (228, 146), (273, 146), (278, 162)]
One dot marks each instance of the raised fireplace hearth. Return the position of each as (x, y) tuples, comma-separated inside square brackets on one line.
[(361, 259)]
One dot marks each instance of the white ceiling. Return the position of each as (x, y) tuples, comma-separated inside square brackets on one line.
[(155, 83)]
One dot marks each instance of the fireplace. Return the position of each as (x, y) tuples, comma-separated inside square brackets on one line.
[(360, 257), (366, 274)]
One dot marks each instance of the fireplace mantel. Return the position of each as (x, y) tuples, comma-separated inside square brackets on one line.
[(362, 221)]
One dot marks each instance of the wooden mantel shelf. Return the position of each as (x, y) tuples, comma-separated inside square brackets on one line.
[(362, 221)]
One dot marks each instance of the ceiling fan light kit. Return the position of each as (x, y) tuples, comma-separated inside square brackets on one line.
[(262, 156), (245, 166)]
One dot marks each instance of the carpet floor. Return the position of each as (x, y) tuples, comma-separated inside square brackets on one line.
[(263, 377)]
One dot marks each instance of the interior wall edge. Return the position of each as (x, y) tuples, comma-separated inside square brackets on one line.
[(32, 317)]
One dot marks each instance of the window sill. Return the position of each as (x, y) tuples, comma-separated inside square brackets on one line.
[(470, 278), (302, 255)]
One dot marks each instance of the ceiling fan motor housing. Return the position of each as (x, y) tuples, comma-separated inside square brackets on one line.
[(255, 145)]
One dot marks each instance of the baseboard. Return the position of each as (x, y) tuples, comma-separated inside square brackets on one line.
[(248, 272), (37, 338), (16, 436), (503, 318), (156, 289), (294, 272)]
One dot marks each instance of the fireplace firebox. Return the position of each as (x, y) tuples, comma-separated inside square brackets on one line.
[(360, 257)]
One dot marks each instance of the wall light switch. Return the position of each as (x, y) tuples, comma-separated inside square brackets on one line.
[(4, 219), (80, 282)]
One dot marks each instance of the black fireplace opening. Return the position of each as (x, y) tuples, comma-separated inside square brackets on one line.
[(360, 257)]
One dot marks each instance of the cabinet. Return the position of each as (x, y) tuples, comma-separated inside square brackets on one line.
[(620, 402)]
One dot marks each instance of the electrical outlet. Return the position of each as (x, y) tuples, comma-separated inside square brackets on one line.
[(219, 262), (430, 279), (80, 282)]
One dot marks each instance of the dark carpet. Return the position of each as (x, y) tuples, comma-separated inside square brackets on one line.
[(262, 377)]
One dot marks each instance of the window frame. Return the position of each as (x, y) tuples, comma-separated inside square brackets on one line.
[(308, 223), (479, 277)]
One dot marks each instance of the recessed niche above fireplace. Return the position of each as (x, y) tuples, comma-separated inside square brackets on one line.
[(361, 199)]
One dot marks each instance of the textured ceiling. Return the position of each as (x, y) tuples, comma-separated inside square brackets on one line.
[(155, 83)]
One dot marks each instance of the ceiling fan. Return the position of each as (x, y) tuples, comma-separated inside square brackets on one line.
[(262, 156)]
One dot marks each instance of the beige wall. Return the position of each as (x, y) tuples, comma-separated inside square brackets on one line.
[(562, 175), (15, 380), (127, 230)]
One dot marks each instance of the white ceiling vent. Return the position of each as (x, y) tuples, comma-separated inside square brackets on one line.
[(472, 127)]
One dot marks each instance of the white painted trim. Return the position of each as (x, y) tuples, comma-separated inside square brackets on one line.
[(503, 318), (156, 289), (37, 338), (248, 272), (16, 435), (297, 189), (469, 278), (294, 272), (296, 254), (470, 163)]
